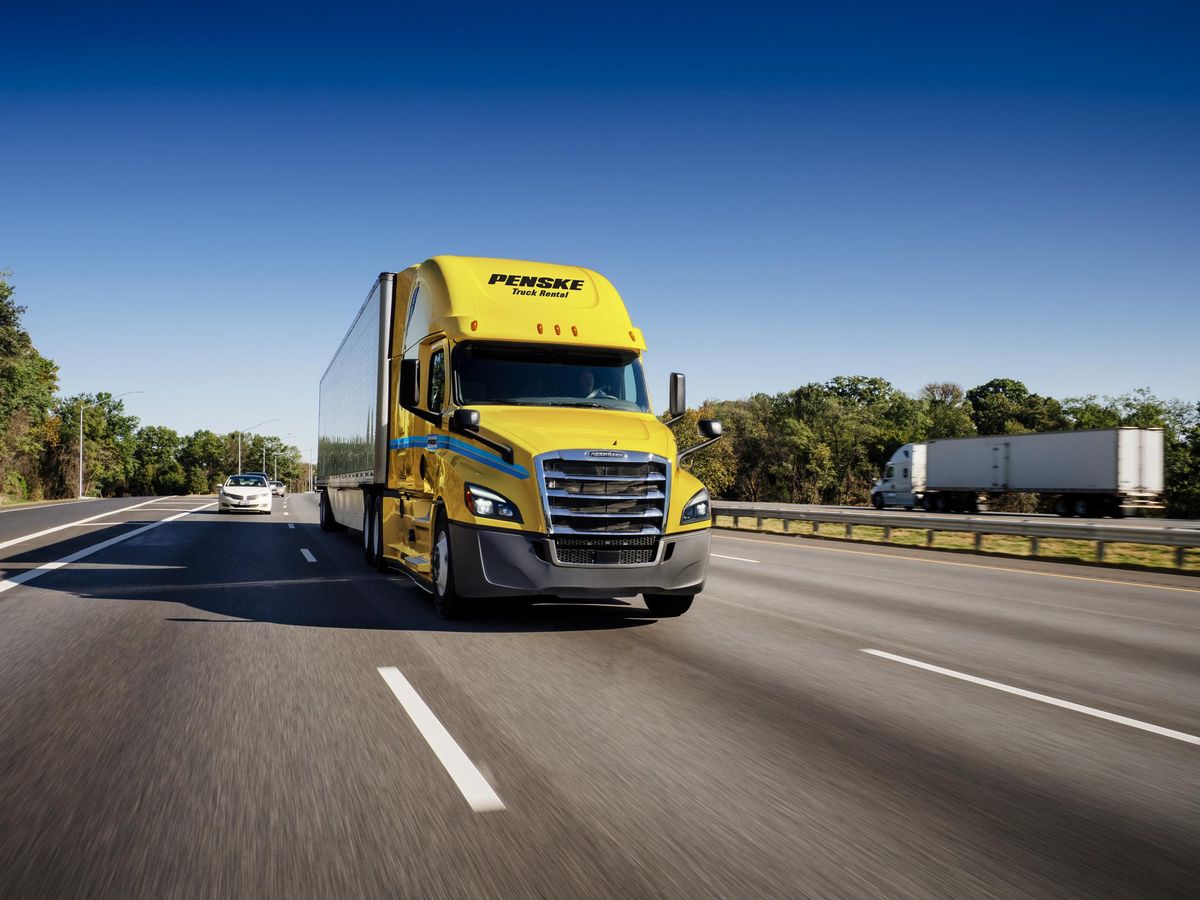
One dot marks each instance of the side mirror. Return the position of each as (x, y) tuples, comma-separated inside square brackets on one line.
[(709, 428), (410, 383), (465, 420), (677, 404)]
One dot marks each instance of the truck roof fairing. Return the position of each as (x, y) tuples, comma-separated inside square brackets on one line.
[(515, 300)]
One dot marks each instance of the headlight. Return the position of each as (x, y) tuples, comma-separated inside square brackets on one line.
[(696, 509), (490, 505)]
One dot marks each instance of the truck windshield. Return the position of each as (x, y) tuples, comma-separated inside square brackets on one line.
[(541, 375)]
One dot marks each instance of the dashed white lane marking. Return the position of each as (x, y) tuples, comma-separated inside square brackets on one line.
[(38, 534), (10, 583), (307, 554), (735, 558), (290, 525), (285, 512), (471, 783), (1041, 698)]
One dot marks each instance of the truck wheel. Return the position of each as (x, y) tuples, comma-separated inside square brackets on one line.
[(1082, 506), (328, 522), (381, 563), (877, 501), (446, 598), (368, 529), (666, 605)]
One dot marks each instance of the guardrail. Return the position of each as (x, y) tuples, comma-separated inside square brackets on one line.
[(1182, 539)]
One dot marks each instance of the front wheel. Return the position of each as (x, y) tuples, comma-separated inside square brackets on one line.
[(446, 599), (667, 605), (877, 501)]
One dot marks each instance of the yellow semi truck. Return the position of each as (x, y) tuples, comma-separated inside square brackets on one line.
[(485, 425)]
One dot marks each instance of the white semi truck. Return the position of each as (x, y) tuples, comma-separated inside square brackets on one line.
[(1108, 472)]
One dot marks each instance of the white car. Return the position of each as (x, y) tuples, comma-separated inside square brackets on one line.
[(247, 492), (277, 488)]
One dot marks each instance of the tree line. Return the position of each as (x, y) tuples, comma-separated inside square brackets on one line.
[(39, 436), (827, 442)]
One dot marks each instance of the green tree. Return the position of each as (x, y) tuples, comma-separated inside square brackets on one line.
[(1005, 406), (157, 469), (948, 411), (27, 384)]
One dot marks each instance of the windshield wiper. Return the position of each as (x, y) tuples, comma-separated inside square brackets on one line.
[(582, 404)]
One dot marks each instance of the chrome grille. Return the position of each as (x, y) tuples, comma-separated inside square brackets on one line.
[(604, 496)]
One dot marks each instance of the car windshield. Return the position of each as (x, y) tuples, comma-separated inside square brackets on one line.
[(246, 481), (541, 375)]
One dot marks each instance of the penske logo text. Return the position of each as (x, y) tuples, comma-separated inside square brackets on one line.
[(537, 285)]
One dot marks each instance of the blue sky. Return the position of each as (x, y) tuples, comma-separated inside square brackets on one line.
[(195, 200)]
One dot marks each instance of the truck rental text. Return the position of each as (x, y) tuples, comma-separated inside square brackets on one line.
[(485, 424)]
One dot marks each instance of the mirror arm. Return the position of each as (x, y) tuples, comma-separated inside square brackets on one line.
[(505, 451), (671, 422), (690, 450)]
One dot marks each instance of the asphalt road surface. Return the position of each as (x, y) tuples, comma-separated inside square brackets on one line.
[(195, 705)]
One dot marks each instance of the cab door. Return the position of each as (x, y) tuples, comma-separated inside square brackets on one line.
[(423, 463)]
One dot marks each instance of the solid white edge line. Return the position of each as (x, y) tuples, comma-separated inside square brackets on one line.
[(736, 558), (307, 554), (1041, 698), (29, 575), (37, 534), (474, 787)]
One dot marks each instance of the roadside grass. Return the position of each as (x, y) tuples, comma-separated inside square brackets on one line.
[(1145, 556), (11, 503)]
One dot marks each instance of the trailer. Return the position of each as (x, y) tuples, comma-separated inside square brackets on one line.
[(1103, 472)]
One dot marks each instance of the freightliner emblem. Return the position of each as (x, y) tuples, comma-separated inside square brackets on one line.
[(606, 454)]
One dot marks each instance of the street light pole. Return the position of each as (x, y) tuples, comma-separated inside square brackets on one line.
[(247, 428), (82, 407)]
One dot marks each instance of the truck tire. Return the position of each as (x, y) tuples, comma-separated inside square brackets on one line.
[(328, 522), (381, 562), (667, 605), (446, 599), (368, 529), (877, 501)]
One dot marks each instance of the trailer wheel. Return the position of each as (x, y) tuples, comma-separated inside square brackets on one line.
[(328, 522), (368, 529), (381, 562), (446, 599), (668, 606), (1082, 506), (877, 501)]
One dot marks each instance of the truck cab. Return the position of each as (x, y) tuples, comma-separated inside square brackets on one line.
[(519, 452), (903, 479)]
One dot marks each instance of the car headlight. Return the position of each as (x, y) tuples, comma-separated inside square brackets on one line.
[(488, 504), (697, 509)]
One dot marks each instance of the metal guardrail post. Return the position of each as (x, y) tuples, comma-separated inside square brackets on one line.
[(1033, 546), (850, 529), (1099, 551), (978, 541), (929, 537), (1180, 557), (758, 523), (887, 534)]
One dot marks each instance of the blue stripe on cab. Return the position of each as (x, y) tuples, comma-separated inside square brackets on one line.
[(454, 445)]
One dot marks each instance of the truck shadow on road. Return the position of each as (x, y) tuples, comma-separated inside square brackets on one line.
[(246, 572)]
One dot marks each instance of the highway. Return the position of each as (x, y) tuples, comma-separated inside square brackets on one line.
[(236, 706)]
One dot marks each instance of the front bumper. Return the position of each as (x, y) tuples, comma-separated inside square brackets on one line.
[(256, 506), (495, 563)]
